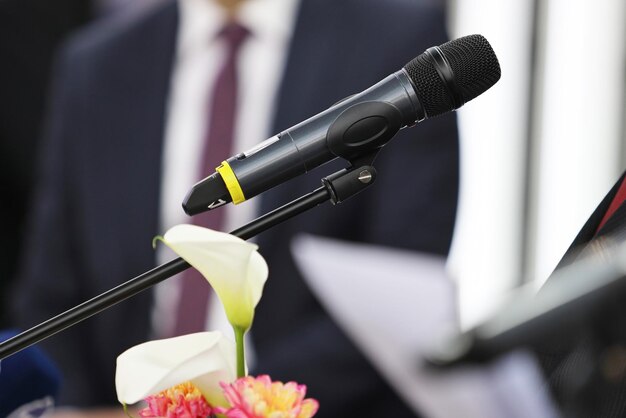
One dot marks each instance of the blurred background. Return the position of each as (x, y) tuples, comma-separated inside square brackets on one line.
[(538, 151), (542, 148)]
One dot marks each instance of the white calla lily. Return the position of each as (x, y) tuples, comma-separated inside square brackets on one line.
[(204, 359), (233, 267)]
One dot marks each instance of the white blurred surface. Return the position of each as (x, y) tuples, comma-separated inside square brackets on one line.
[(580, 112), (531, 173), (485, 255), (394, 305)]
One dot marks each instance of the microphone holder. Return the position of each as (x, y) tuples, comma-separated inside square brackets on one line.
[(337, 187)]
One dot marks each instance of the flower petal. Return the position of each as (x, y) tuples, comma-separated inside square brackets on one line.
[(259, 397), (233, 267), (204, 358)]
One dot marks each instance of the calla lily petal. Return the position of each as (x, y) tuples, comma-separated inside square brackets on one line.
[(204, 359), (233, 267)]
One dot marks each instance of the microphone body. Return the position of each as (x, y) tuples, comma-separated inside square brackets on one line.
[(437, 81), (303, 147)]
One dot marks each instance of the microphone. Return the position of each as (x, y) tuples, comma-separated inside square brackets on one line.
[(441, 79), (29, 382)]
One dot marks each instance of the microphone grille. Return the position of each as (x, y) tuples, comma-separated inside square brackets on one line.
[(473, 63), (428, 85)]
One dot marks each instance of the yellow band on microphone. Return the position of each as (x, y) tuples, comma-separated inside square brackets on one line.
[(232, 184)]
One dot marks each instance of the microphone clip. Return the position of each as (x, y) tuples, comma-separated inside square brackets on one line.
[(357, 135), (362, 130)]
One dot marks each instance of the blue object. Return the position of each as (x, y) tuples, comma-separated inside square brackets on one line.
[(25, 377)]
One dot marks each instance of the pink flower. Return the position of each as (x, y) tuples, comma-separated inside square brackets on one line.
[(181, 401), (262, 398)]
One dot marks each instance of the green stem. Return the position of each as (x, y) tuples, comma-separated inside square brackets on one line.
[(126, 410), (241, 358)]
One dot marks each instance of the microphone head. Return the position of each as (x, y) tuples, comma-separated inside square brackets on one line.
[(447, 76)]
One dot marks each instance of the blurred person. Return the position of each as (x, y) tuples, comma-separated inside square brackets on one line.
[(30, 32), (123, 146), (586, 373)]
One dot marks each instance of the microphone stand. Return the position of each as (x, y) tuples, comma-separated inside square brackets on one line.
[(337, 187)]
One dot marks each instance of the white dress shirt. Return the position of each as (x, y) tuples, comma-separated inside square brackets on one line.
[(199, 56)]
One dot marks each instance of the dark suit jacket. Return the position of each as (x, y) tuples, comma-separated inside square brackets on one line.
[(571, 358), (30, 32), (97, 202)]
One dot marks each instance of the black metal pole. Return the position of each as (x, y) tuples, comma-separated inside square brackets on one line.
[(152, 277)]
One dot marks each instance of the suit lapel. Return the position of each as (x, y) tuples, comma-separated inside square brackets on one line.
[(154, 80), (308, 55), (150, 73), (128, 129), (120, 178)]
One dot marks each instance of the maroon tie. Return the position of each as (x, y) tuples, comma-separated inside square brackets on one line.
[(192, 307)]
